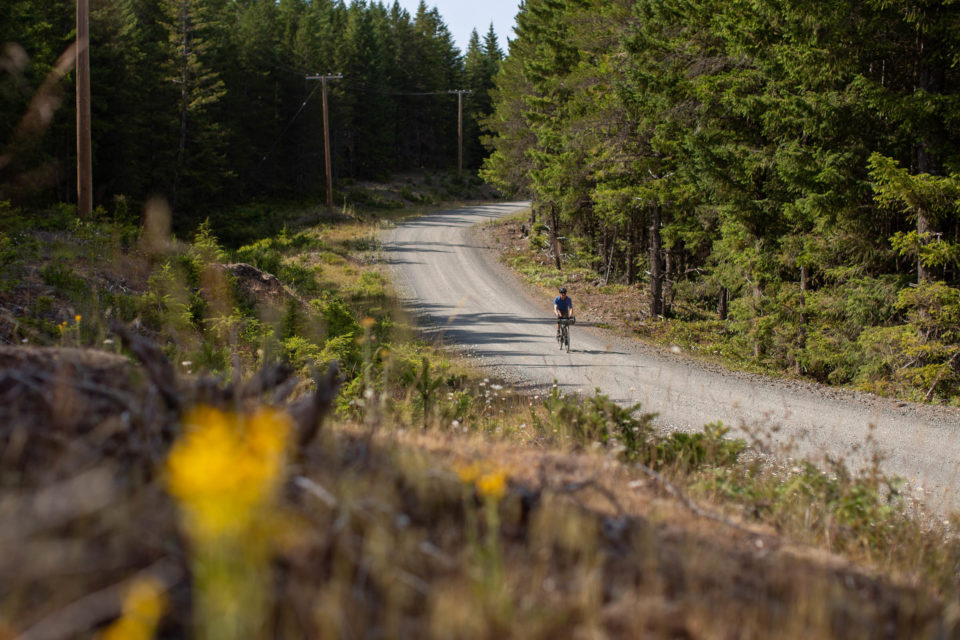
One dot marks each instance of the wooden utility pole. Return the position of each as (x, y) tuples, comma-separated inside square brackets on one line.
[(84, 161), (326, 132), (460, 93)]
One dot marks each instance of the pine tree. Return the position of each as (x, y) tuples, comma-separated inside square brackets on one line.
[(192, 28), (481, 64)]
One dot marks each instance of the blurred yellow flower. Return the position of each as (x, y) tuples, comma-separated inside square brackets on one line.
[(469, 474), (77, 318), (226, 467), (492, 485), (488, 483), (142, 608)]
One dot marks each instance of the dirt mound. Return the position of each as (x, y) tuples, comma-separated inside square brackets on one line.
[(262, 287)]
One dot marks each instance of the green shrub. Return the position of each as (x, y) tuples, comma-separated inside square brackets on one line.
[(691, 450), (262, 255), (166, 304), (338, 317), (65, 281), (537, 242), (371, 286), (301, 353), (205, 250), (213, 357), (344, 350), (599, 419), (8, 251), (918, 359), (43, 305), (301, 277), (328, 257)]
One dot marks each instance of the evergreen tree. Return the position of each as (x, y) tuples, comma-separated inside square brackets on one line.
[(192, 28), (481, 65)]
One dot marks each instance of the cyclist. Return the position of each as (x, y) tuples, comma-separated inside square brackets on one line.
[(562, 307)]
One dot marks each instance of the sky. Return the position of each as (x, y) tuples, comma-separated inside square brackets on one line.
[(463, 16)]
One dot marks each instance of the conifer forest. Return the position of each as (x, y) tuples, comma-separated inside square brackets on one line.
[(782, 173), (211, 102)]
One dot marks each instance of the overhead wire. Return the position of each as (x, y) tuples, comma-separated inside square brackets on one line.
[(287, 128)]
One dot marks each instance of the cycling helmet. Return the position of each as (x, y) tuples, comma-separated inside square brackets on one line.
[(563, 289)]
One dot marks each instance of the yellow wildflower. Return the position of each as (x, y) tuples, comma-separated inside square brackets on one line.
[(488, 483), (469, 474), (368, 323), (492, 485), (226, 467), (142, 609), (77, 318)]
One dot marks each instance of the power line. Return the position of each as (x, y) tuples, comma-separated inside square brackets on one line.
[(289, 124), (423, 93)]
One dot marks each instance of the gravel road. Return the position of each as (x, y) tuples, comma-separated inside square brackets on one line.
[(447, 275)]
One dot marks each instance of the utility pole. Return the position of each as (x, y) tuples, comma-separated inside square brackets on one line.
[(326, 131), (84, 161), (460, 93)]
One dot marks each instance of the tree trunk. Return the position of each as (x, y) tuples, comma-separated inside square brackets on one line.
[(671, 260), (924, 229), (802, 333), (757, 304), (555, 235), (931, 79), (804, 286), (184, 100), (631, 254), (613, 246), (722, 304), (656, 274)]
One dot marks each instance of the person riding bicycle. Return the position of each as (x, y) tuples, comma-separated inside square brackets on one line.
[(562, 306)]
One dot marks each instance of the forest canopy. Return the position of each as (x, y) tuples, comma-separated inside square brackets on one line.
[(208, 102), (782, 172)]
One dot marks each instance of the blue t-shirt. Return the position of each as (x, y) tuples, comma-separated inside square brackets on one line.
[(563, 305)]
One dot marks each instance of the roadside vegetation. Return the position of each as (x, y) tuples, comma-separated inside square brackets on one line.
[(246, 489), (613, 304)]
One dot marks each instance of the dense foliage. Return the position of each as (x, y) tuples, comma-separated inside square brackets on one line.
[(785, 171), (208, 102)]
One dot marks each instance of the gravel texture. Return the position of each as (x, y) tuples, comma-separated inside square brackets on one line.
[(445, 272)]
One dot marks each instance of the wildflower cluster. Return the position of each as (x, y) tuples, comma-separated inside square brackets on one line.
[(63, 326)]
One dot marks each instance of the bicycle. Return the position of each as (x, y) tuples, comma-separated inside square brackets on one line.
[(564, 336)]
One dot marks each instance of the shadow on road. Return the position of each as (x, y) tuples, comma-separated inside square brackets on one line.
[(447, 324)]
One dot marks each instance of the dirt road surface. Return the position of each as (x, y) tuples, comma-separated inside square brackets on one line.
[(447, 275)]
